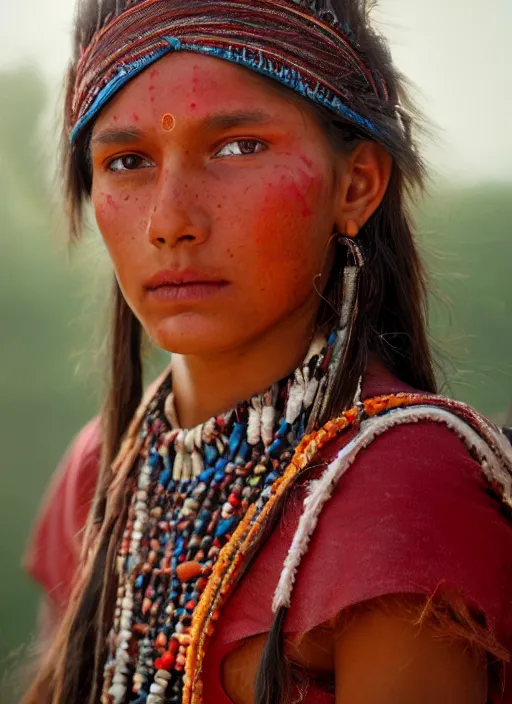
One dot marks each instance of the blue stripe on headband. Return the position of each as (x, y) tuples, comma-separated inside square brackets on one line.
[(252, 59)]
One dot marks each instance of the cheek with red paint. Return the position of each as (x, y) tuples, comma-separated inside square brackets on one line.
[(289, 207), (285, 244)]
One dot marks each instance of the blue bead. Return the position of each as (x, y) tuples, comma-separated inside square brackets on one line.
[(143, 696), (221, 463), (153, 459), (235, 437), (277, 446), (219, 476), (283, 429), (224, 526), (243, 452), (207, 474), (139, 581), (270, 478), (164, 477), (210, 453)]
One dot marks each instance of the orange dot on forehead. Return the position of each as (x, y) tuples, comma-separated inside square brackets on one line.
[(168, 122)]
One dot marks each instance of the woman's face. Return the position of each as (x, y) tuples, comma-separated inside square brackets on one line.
[(218, 226)]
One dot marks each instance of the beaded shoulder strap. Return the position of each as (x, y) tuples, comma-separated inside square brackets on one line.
[(372, 417)]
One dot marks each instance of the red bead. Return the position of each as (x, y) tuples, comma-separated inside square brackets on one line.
[(174, 646), (167, 660), (201, 584)]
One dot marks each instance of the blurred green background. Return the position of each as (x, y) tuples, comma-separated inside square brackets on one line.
[(51, 309)]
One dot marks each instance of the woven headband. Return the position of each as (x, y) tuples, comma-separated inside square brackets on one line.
[(279, 39)]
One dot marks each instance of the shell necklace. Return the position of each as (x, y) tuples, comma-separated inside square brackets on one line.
[(189, 492)]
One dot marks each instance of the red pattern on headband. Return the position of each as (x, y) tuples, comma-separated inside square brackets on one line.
[(280, 29)]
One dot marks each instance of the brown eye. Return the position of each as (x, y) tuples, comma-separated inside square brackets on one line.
[(244, 147), (129, 162)]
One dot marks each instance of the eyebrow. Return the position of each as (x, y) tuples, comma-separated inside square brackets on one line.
[(117, 136), (212, 123), (238, 118)]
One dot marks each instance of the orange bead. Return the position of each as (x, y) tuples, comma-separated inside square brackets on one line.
[(188, 570), (161, 640)]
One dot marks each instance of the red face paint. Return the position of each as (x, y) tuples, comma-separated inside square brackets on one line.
[(250, 205)]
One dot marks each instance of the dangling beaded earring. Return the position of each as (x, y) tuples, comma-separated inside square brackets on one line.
[(347, 317)]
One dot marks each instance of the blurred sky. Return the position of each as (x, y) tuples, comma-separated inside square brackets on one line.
[(458, 53)]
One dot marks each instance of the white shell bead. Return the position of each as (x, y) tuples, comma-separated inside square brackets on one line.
[(156, 688), (117, 691), (154, 699)]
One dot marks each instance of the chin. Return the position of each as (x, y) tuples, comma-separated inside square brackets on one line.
[(189, 334)]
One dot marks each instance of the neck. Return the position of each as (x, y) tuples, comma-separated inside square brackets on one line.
[(205, 386)]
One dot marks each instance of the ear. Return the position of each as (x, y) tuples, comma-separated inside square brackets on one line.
[(362, 186)]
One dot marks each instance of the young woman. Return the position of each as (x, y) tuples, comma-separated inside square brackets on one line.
[(290, 513)]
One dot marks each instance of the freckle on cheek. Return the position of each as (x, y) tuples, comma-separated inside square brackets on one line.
[(135, 117)]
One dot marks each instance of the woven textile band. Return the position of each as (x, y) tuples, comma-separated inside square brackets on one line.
[(278, 39)]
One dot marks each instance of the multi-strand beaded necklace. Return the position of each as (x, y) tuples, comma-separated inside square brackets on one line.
[(190, 490)]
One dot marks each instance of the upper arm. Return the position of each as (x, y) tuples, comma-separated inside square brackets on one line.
[(382, 657)]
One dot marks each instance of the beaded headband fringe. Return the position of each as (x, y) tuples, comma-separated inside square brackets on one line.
[(281, 39)]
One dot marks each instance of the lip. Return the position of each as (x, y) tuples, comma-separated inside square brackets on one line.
[(187, 278), (186, 285)]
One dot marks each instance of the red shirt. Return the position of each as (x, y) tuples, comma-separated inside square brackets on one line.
[(412, 515)]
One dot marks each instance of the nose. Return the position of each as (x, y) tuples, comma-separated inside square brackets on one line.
[(177, 217)]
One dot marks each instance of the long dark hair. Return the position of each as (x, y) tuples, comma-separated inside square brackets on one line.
[(391, 324)]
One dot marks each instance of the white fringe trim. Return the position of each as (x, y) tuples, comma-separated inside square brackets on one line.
[(320, 490)]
